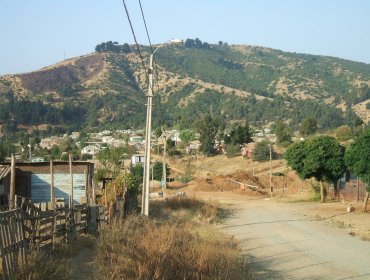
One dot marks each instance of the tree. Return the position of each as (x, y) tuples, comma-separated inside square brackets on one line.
[(357, 158), (111, 160), (321, 157), (308, 126), (208, 128), (262, 151), (158, 171), (239, 136), (187, 135), (283, 134), (352, 119), (126, 48)]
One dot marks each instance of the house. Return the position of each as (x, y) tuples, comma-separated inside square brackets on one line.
[(137, 158), (48, 143), (33, 180), (107, 139), (90, 150), (136, 138), (75, 135), (104, 133), (248, 149), (174, 135), (193, 147)]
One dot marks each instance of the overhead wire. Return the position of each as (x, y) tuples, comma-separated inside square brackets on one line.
[(155, 64), (136, 43)]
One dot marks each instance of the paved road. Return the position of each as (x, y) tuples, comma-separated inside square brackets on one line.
[(282, 245)]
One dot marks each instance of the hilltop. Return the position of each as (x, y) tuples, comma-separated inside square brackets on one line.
[(240, 83)]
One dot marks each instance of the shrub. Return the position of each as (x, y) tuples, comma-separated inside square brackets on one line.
[(232, 151), (150, 249)]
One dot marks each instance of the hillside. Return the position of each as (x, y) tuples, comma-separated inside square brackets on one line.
[(238, 82)]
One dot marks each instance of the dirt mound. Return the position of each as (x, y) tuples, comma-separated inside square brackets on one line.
[(231, 182)]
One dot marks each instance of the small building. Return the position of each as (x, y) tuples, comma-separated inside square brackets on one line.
[(33, 180), (75, 135), (193, 147), (90, 150), (137, 158), (248, 149), (48, 143), (136, 138)]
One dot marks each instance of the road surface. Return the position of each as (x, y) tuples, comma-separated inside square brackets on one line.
[(282, 245)]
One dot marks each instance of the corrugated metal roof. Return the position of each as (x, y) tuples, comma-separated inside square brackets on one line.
[(4, 170)]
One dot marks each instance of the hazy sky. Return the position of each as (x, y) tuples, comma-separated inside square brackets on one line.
[(37, 33)]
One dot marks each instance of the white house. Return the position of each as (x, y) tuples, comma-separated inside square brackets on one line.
[(90, 150), (137, 158)]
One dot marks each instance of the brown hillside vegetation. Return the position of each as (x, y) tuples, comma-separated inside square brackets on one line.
[(76, 71)]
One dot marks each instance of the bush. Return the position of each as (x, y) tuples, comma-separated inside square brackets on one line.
[(262, 151), (168, 248), (232, 151)]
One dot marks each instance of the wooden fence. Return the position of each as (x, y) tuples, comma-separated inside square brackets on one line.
[(34, 226), (12, 242)]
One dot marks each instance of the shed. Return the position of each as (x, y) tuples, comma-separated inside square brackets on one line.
[(32, 180)]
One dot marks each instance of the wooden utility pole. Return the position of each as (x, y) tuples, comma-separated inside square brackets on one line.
[(12, 184), (271, 189), (164, 175), (71, 173), (52, 195)]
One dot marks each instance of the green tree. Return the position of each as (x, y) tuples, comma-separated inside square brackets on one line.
[(357, 158), (111, 160), (158, 171), (320, 157), (262, 151), (283, 134), (187, 135), (308, 126), (343, 133), (239, 135), (352, 119), (232, 150), (137, 172), (208, 129)]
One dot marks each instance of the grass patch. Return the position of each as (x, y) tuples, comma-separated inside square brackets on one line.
[(169, 245), (54, 264), (45, 265)]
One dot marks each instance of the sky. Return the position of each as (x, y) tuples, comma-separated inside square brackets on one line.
[(38, 33)]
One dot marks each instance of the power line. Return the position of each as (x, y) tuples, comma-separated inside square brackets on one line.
[(155, 60), (137, 45)]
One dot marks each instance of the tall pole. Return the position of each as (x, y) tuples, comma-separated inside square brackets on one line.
[(71, 173), (146, 178), (270, 169), (164, 175), (52, 196)]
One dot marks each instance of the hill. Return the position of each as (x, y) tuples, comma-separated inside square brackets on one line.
[(261, 85)]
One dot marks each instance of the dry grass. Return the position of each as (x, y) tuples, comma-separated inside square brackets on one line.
[(54, 264), (169, 246), (45, 265)]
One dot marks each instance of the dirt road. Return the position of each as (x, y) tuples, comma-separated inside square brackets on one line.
[(283, 245)]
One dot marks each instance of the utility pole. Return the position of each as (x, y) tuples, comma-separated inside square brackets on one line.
[(270, 170), (164, 173), (148, 129), (71, 174)]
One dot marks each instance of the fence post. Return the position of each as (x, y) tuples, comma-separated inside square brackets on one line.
[(52, 196), (12, 183), (71, 173)]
